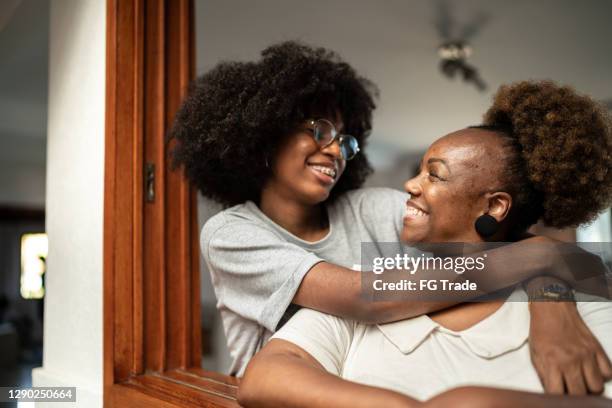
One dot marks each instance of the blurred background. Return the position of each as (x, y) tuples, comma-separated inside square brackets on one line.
[(24, 62), (436, 63)]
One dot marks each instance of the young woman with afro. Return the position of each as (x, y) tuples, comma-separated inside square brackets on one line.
[(280, 142)]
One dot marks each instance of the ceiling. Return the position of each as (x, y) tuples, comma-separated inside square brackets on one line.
[(394, 43)]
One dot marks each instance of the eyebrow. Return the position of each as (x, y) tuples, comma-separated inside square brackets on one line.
[(436, 160)]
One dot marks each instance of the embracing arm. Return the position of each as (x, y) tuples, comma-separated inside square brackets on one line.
[(336, 290), (283, 374)]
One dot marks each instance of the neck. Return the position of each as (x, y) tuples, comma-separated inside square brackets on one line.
[(307, 221)]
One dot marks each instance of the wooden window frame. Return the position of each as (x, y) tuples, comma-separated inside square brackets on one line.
[(152, 344)]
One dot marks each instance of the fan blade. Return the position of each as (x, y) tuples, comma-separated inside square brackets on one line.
[(444, 21), (471, 75), (472, 28)]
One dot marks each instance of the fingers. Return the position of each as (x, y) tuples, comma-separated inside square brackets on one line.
[(574, 381), (542, 375), (553, 382), (578, 378), (592, 376), (603, 362)]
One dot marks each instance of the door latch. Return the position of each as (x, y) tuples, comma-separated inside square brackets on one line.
[(150, 182)]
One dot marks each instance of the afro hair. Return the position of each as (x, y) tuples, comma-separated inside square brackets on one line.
[(234, 117), (560, 166)]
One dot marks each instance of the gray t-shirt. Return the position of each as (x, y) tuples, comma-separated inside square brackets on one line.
[(257, 266)]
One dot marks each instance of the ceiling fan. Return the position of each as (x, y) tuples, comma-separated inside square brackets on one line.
[(454, 49)]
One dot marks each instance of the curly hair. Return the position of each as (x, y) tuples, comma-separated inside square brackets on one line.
[(560, 153), (234, 117)]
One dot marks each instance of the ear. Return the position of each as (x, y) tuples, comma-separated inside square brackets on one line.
[(499, 205)]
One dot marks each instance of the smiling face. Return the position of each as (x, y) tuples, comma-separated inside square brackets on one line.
[(304, 171), (458, 179)]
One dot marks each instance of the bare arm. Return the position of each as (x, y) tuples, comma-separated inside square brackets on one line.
[(336, 290), (484, 397), (282, 374)]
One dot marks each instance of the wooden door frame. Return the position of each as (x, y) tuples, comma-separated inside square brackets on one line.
[(152, 325)]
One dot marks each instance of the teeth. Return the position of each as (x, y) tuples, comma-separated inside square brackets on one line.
[(415, 212), (325, 170)]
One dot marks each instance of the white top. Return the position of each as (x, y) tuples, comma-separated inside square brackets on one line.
[(420, 358)]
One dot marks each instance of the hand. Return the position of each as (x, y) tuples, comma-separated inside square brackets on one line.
[(564, 352)]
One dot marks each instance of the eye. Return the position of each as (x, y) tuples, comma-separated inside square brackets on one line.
[(433, 176)]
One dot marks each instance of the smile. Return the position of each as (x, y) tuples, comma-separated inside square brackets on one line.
[(328, 171), (415, 212)]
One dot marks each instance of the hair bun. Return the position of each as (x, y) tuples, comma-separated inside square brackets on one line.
[(565, 144)]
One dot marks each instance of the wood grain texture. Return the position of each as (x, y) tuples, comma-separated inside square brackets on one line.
[(154, 212), (152, 333)]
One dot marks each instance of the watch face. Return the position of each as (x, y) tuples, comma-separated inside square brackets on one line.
[(553, 292), (556, 289)]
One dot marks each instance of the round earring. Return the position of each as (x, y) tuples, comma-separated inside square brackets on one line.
[(486, 226)]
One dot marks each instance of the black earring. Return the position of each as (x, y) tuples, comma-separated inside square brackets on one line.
[(486, 226)]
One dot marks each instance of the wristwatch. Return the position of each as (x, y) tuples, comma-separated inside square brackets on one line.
[(553, 292)]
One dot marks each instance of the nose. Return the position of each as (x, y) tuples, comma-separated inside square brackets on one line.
[(413, 186), (333, 149)]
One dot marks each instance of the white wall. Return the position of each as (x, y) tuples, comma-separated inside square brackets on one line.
[(73, 335)]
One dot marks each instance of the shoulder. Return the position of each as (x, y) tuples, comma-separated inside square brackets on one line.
[(325, 337), (241, 214), (233, 223), (311, 315), (311, 324), (237, 213)]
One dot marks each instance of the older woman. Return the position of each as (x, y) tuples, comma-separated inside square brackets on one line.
[(544, 152), (280, 141)]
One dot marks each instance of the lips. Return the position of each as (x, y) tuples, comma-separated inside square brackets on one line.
[(325, 172), (415, 211), (330, 171)]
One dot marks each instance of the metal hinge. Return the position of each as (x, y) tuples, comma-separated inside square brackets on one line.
[(149, 182)]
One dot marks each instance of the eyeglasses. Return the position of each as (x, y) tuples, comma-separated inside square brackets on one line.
[(324, 133)]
